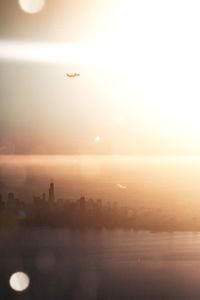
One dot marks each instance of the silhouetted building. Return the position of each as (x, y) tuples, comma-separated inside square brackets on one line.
[(1, 203), (10, 200), (82, 203), (10, 197), (51, 193), (13, 204)]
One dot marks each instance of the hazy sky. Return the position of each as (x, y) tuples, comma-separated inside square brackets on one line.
[(139, 85)]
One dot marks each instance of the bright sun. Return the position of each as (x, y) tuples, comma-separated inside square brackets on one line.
[(148, 46), (156, 45)]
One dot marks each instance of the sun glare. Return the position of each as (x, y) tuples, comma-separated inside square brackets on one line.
[(31, 6), (157, 51), (148, 46)]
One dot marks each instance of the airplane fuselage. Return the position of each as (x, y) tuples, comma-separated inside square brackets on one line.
[(72, 75)]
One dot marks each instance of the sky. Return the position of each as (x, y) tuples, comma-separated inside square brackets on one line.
[(138, 93)]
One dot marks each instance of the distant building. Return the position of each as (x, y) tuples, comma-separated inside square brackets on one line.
[(10, 197), (1, 203), (51, 193), (12, 203), (82, 203), (99, 204)]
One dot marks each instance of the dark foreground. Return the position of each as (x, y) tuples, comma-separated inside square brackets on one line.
[(115, 264)]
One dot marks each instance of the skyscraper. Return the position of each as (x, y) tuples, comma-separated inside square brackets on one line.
[(51, 193)]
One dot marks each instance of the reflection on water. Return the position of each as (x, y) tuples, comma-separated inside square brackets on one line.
[(103, 264)]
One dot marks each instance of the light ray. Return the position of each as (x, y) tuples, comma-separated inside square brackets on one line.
[(47, 52)]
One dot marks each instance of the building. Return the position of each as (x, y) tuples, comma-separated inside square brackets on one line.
[(51, 193), (13, 203)]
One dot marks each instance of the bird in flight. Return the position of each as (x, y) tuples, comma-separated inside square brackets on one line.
[(72, 75), (120, 186)]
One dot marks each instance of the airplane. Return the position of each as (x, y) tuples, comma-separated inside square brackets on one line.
[(72, 75)]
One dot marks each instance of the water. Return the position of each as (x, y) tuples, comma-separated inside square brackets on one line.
[(104, 264), (115, 264)]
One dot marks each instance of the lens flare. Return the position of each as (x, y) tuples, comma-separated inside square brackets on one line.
[(19, 281), (31, 6)]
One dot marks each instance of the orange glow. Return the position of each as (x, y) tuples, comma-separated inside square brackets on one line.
[(139, 83)]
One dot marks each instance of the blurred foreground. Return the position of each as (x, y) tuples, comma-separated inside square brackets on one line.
[(92, 264)]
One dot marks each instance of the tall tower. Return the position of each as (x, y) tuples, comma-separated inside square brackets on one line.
[(51, 193)]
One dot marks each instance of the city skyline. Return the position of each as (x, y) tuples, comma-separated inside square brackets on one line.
[(84, 213)]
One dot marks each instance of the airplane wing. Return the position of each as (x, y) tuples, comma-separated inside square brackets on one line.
[(68, 75)]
